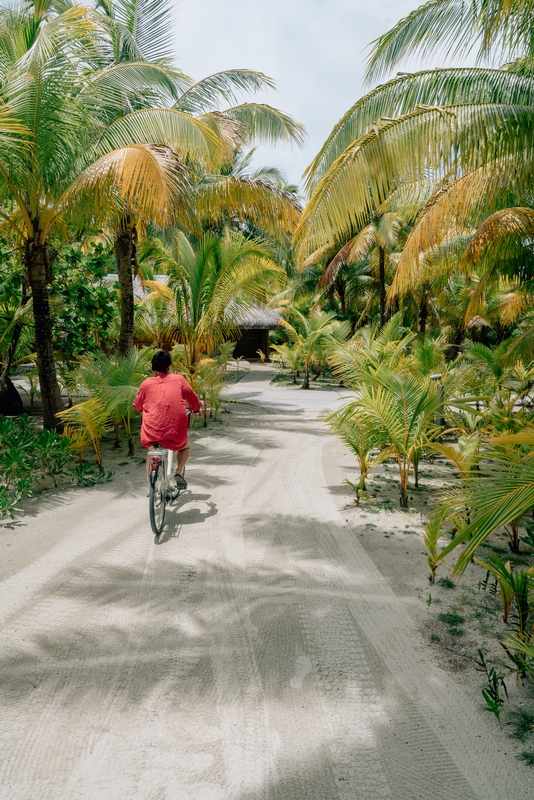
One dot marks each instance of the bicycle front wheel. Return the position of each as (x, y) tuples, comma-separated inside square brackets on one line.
[(157, 499)]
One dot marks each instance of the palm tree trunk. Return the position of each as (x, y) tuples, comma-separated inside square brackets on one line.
[(306, 383), (125, 258), (403, 486), (39, 266), (382, 284), (423, 315)]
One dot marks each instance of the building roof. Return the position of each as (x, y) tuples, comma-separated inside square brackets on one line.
[(258, 317)]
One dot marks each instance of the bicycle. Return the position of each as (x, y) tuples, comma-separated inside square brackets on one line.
[(162, 489)]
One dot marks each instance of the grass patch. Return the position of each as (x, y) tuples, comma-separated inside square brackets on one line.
[(527, 757), (522, 724), (447, 583), (450, 618)]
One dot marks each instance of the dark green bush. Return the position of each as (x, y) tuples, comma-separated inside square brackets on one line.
[(29, 455)]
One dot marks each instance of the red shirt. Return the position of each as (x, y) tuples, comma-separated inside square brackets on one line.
[(162, 400)]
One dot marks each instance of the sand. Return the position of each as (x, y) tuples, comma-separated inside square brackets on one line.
[(269, 645)]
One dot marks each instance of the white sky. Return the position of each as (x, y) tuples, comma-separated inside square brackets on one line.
[(312, 48)]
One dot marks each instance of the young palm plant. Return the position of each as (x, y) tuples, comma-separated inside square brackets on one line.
[(84, 425), (400, 410), (362, 439), (312, 335), (498, 497), (290, 355), (114, 382), (212, 283)]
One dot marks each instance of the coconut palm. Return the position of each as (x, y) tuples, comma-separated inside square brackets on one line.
[(115, 381), (400, 410), (310, 335), (497, 498), (456, 28), (366, 157), (63, 166), (141, 37), (139, 41), (212, 282)]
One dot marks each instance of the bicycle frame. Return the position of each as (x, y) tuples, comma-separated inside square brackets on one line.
[(161, 490), (156, 457)]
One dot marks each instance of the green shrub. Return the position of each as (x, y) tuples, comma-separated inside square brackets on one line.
[(29, 455)]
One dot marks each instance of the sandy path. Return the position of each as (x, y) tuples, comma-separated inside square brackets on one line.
[(256, 652)]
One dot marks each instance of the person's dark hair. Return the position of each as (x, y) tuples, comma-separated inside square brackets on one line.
[(161, 361)]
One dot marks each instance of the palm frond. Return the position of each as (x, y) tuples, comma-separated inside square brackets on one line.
[(162, 126), (109, 86), (453, 28), (399, 96), (206, 94), (270, 208), (266, 124), (497, 498), (149, 24), (148, 180)]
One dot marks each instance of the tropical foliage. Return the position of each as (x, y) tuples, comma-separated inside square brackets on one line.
[(418, 231), (115, 138)]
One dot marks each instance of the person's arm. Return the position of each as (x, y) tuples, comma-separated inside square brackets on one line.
[(190, 397), (139, 400)]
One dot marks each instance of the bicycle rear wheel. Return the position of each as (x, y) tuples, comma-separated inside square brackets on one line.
[(157, 499)]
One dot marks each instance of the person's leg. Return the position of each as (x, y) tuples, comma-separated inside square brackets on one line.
[(148, 471), (147, 463), (183, 456)]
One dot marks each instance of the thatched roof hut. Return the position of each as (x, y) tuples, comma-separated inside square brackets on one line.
[(254, 323)]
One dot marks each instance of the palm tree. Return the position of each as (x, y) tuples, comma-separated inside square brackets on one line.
[(212, 282), (310, 335), (456, 27), (141, 37), (59, 165), (399, 410), (382, 234), (139, 41), (384, 144), (291, 355)]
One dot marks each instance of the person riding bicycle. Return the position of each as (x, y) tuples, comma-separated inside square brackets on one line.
[(162, 399)]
